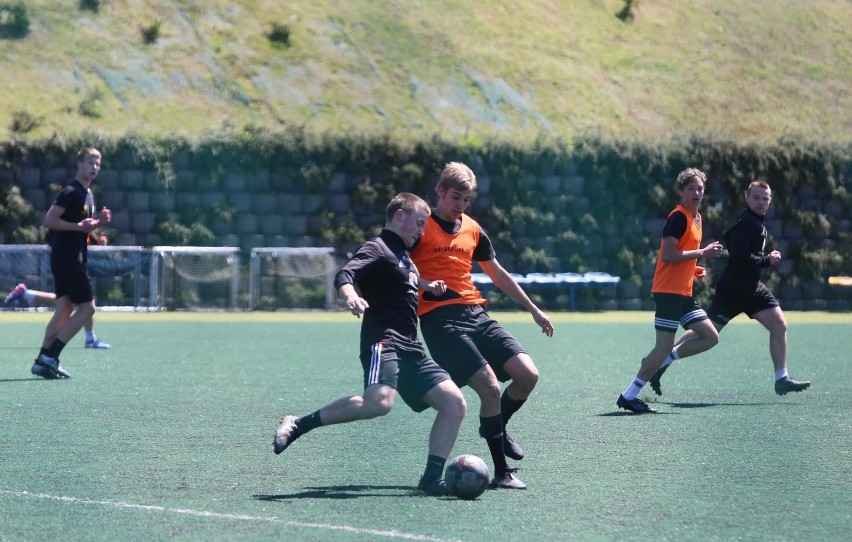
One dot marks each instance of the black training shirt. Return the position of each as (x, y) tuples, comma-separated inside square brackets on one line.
[(387, 279), (71, 244), (746, 243)]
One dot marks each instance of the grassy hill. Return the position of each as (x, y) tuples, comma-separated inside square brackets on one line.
[(512, 68)]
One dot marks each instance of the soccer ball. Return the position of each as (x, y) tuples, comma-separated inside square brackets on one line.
[(466, 476)]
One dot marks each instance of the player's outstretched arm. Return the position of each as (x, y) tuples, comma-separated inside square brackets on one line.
[(503, 280)]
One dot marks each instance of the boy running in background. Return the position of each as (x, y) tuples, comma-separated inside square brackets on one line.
[(672, 286), (740, 290)]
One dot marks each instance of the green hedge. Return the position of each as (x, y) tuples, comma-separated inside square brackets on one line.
[(535, 227)]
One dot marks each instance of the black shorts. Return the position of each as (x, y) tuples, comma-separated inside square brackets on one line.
[(71, 278), (726, 305), (463, 338), (405, 368), (673, 309)]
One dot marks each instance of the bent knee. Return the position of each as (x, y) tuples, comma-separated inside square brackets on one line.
[(457, 404), (779, 328), (485, 385), (523, 371), (377, 409)]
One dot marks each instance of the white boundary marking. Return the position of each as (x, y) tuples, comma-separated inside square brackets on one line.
[(218, 515)]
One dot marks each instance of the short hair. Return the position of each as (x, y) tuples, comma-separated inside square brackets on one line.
[(408, 202), (86, 152), (689, 175), (457, 176), (758, 182)]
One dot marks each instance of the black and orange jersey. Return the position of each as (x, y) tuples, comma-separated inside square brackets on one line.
[(446, 251), (677, 277)]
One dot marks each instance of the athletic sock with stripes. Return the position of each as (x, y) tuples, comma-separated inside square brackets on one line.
[(434, 468), (491, 429), (308, 423), (632, 391)]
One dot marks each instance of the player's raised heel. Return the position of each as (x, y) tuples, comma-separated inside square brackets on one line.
[(785, 385), (285, 434), (634, 405), (655, 380), (511, 448)]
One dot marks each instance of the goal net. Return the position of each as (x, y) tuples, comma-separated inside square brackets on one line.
[(184, 278), (283, 278), (195, 278), (120, 274)]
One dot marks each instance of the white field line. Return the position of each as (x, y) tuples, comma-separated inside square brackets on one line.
[(218, 515)]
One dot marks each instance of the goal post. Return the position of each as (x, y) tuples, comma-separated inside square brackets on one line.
[(184, 277), (120, 276), (291, 278), (195, 278)]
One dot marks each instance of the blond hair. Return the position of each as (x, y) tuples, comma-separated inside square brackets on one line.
[(457, 176)]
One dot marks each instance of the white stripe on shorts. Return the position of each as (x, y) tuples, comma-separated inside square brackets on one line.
[(375, 363), (692, 316), (663, 323)]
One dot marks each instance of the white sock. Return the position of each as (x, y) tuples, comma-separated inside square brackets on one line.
[(90, 336), (632, 391), (780, 373), (29, 296), (671, 358)]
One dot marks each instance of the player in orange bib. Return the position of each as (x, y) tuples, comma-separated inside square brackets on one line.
[(672, 286), (462, 337)]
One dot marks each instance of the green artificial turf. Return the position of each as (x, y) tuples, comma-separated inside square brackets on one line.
[(169, 436)]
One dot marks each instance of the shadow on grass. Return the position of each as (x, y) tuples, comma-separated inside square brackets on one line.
[(341, 492), (695, 405), (707, 405), (31, 379), (619, 413)]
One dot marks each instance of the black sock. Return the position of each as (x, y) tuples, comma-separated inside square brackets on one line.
[(42, 350), (55, 349), (491, 429), (509, 406), (308, 423), (434, 468)]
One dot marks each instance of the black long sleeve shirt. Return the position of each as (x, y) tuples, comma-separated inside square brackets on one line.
[(746, 244), (387, 279)]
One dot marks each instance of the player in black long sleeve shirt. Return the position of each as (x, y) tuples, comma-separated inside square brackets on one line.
[(746, 243), (740, 290), (392, 358), (388, 282)]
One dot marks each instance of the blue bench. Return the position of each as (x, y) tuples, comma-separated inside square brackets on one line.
[(539, 281)]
